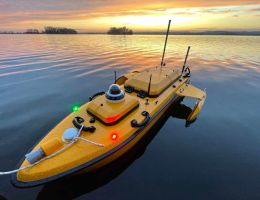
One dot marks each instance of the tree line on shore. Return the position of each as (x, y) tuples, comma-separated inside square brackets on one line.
[(47, 30), (58, 30), (62, 30), (126, 31), (120, 31)]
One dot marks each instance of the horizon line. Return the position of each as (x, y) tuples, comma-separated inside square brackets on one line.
[(206, 32)]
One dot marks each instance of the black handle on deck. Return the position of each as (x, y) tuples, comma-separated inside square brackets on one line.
[(77, 121), (134, 122), (187, 72), (95, 95)]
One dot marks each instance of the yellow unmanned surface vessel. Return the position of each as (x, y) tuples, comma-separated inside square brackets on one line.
[(107, 126)]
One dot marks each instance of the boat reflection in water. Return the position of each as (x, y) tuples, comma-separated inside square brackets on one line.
[(77, 185), (2, 198)]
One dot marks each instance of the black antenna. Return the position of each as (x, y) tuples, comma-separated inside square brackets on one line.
[(169, 24), (184, 64), (149, 86), (115, 76)]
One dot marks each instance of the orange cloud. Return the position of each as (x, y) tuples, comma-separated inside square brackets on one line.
[(98, 15)]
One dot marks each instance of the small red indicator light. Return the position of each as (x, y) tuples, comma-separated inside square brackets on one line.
[(112, 118), (114, 136)]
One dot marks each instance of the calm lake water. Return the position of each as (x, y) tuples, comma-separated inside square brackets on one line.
[(217, 157)]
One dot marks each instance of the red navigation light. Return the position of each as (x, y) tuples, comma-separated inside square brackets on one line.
[(114, 136), (112, 118)]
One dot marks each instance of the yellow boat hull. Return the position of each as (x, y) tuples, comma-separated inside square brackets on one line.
[(129, 145), (86, 157), (100, 162)]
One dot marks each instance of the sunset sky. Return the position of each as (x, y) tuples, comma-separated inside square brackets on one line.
[(152, 15)]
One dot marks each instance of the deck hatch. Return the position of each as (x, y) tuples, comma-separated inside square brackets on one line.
[(161, 79), (111, 113)]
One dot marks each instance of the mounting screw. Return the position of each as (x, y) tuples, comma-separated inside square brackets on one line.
[(147, 102), (92, 120)]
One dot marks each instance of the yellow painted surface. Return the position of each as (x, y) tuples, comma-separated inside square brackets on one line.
[(110, 112), (188, 90), (121, 80), (161, 79), (82, 152), (52, 145), (197, 108)]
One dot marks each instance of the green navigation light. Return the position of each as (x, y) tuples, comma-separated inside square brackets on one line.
[(75, 108)]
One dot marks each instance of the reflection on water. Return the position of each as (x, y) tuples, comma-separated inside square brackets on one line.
[(41, 76), (77, 56)]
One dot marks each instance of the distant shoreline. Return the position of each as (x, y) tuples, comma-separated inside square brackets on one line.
[(238, 33), (228, 33)]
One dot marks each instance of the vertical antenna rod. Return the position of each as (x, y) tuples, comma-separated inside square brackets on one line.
[(184, 64), (115, 76), (149, 86), (169, 24)]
